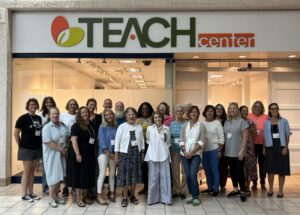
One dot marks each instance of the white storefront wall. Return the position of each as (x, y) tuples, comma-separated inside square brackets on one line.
[(266, 31)]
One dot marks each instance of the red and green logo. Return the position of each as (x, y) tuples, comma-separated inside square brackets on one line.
[(64, 35)]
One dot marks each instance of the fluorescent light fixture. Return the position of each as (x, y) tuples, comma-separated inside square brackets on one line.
[(127, 61), (195, 57), (137, 76), (292, 56), (133, 69), (242, 56), (216, 76)]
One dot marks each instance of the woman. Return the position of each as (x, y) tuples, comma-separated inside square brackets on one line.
[(144, 119), (223, 163), (164, 109), (259, 118), (236, 136), (96, 120), (48, 102), (129, 152), (81, 160), (277, 136), (187, 108), (106, 156), (212, 149), (68, 119), (250, 159), (192, 137), (29, 125), (179, 186), (158, 158), (55, 136)]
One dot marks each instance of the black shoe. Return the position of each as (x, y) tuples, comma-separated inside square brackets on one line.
[(65, 191), (143, 191), (215, 193), (124, 203), (175, 195), (207, 191), (232, 194), (182, 196), (243, 197), (134, 200)]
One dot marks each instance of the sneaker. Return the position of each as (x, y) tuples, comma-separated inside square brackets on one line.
[(243, 197), (27, 198), (53, 204), (65, 191), (232, 194), (134, 200), (189, 200), (196, 202), (34, 196), (60, 201)]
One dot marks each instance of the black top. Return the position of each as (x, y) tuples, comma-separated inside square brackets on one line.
[(30, 127), (96, 122)]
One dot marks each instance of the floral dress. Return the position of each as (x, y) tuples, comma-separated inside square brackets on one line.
[(250, 159)]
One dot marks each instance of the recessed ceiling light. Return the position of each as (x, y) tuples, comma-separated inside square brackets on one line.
[(133, 69), (242, 56), (216, 76), (127, 61), (292, 56), (137, 76), (195, 56), (139, 80)]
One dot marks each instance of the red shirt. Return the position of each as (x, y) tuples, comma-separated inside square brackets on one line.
[(259, 123)]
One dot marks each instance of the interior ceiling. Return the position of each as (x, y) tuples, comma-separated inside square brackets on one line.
[(107, 73)]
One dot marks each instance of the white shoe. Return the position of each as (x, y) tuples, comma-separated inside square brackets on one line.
[(60, 201), (53, 204)]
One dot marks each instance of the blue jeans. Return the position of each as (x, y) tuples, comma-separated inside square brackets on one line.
[(210, 164), (191, 167)]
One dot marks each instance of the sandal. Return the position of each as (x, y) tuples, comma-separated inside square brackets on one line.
[(134, 200), (124, 203), (270, 194), (280, 195), (81, 204), (196, 202)]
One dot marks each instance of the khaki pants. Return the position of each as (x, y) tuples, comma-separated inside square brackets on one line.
[(179, 186)]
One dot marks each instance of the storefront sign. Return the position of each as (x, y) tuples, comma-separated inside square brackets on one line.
[(152, 32)]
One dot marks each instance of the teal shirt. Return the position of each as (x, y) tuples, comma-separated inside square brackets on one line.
[(175, 128)]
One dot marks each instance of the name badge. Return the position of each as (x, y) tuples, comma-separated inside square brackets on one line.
[(276, 135), (163, 137), (37, 133), (257, 132), (176, 140), (36, 124), (134, 143), (112, 142), (229, 135), (91, 141)]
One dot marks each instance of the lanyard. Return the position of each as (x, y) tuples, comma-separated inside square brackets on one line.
[(90, 132), (35, 123)]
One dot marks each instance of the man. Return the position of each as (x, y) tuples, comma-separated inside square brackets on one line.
[(119, 113)]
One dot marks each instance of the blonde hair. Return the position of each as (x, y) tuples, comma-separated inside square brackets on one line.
[(235, 104)]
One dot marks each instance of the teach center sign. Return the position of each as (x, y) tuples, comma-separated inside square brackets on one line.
[(146, 32)]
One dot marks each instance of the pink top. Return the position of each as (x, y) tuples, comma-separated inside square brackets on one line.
[(168, 120), (259, 123)]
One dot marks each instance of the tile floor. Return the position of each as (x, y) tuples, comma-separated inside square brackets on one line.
[(258, 204)]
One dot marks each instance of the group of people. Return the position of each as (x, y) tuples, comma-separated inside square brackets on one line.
[(151, 147)]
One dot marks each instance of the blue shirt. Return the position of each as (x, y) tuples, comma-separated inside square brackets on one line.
[(175, 128), (284, 132), (106, 135)]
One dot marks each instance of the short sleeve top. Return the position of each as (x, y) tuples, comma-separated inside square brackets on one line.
[(233, 136), (30, 127), (83, 137), (56, 133)]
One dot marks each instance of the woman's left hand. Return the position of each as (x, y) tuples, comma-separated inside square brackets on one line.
[(284, 151)]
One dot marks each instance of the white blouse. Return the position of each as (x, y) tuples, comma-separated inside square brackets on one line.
[(159, 144), (123, 137)]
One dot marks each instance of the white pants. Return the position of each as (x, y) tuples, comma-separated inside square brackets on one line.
[(104, 162)]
